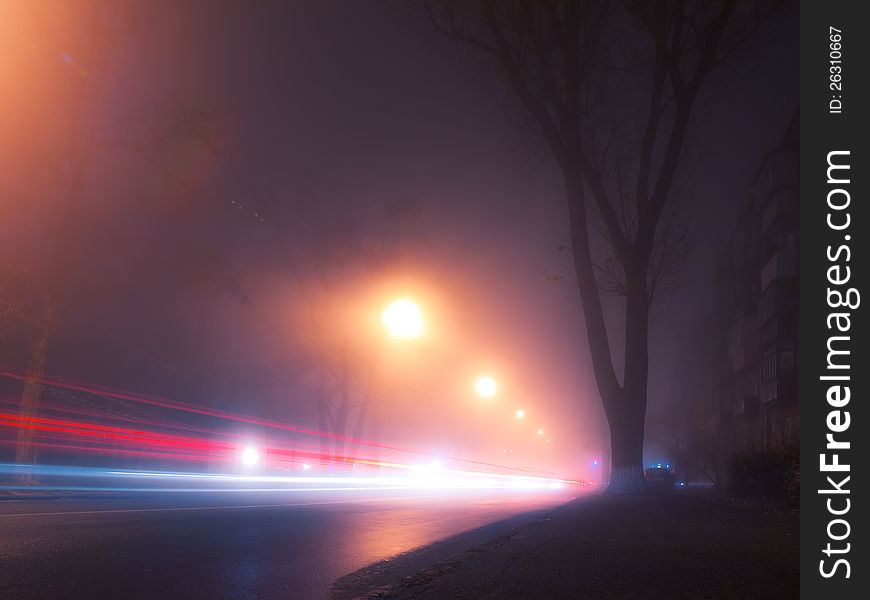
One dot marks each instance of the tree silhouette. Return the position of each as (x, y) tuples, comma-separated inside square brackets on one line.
[(612, 88)]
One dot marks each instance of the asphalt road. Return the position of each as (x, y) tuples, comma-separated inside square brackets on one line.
[(235, 545)]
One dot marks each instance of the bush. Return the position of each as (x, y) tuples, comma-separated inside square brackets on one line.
[(772, 474)]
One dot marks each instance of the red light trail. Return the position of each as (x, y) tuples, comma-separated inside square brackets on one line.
[(76, 428)]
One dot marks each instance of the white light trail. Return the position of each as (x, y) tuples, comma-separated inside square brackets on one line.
[(417, 477)]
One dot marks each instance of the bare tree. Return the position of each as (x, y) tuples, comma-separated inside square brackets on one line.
[(334, 247), (45, 277), (611, 88), (700, 457)]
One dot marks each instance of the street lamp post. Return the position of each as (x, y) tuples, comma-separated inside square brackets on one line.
[(403, 320)]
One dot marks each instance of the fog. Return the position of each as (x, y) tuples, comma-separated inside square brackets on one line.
[(256, 182)]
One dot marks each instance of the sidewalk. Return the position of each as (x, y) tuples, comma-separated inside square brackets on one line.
[(600, 547)]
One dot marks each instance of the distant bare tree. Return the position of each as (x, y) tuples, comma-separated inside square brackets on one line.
[(699, 458), (611, 88), (334, 247)]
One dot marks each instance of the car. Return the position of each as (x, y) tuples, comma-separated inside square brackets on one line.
[(659, 477)]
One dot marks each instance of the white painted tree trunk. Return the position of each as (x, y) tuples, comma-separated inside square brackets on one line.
[(627, 480)]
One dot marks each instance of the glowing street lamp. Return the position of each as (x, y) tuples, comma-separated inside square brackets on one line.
[(540, 432), (486, 386), (521, 414), (403, 319), (250, 456)]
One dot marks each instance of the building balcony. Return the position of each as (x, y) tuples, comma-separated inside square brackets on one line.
[(781, 265), (779, 299), (780, 328), (744, 358), (746, 407), (781, 202), (781, 393), (743, 342)]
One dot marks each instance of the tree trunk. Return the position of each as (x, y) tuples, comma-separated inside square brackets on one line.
[(359, 428), (626, 446), (628, 413), (624, 405)]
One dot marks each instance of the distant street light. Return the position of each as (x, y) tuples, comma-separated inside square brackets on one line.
[(540, 432), (250, 456), (486, 386), (403, 319), (521, 414)]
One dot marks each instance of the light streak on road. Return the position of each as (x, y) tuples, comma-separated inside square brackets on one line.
[(413, 479), (191, 408), (273, 453)]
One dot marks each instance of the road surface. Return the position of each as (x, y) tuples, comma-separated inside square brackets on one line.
[(238, 545)]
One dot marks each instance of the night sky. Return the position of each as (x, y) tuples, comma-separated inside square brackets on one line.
[(258, 173)]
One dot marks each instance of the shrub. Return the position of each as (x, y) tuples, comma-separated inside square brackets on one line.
[(772, 474)]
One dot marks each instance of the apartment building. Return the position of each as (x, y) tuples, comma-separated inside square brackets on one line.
[(754, 327)]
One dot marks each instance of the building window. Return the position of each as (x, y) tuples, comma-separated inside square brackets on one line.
[(786, 359), (768, 367)]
